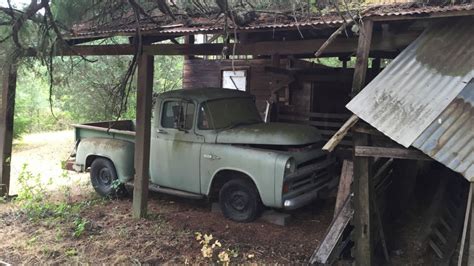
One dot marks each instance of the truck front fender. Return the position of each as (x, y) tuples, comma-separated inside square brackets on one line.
[(120, 152)]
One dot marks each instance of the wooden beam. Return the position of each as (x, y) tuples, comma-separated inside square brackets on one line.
[(142, 139), (6, 125), (340, 134), (363, 189), (266, 48), (345, 182), (397, 153)]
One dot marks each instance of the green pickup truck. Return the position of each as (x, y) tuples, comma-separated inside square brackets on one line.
[(211, 143)]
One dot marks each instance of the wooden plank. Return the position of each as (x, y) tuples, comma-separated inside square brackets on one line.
[(345, 181), (142, 140), (6, 125), (467, 214), (340, 134), (383, 152), (471, 234), (363, 192), (331, 244)]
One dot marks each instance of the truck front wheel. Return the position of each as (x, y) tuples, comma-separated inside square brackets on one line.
[(104, 178), (239, 200)]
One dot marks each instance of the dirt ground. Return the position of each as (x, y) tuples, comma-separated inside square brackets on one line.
[(111, 235)]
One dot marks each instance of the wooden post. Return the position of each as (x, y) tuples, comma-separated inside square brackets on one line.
[(143, 131), (189, 39), (6, 125), (362, 185)]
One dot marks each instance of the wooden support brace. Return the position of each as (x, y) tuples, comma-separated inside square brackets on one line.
[(143, 131), (331, 38), (340, 134), (345, 181), (465, 230), (6, 125)]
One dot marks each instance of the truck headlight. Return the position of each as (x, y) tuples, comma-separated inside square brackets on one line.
[(290, 166)]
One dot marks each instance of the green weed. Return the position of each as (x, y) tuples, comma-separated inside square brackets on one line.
[(36, 203), (80, 226)]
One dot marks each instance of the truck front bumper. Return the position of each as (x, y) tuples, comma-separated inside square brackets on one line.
[(300, 201)]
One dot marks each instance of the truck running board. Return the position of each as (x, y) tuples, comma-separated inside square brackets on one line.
[(170, 191)]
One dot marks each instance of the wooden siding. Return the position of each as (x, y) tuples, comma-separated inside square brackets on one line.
[(199, 73)]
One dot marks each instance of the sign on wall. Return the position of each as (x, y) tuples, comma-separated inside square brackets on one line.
[(236, 80)]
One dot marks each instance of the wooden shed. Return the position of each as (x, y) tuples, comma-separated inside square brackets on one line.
[(273, 57)]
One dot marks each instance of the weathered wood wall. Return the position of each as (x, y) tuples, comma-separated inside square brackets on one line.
[(199, 73)]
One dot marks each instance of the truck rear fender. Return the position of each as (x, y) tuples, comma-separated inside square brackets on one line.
[(119, 152)]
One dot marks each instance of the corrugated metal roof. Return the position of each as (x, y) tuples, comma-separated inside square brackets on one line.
[(450, 137), (423, 86), (392, 10), (162, 25)]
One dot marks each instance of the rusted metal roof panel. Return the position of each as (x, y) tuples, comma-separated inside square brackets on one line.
[(397, 10), (419, 84), (449, 139), (161, 24)]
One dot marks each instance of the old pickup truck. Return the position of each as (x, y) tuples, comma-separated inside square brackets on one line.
[(211, 143)]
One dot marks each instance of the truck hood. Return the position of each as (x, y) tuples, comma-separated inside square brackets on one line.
[(270, 134)]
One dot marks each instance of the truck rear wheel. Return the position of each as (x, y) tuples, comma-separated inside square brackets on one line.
[(239, 200), (104, 178)]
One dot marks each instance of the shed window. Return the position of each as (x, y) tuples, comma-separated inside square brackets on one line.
[(178, 114), (236, 80)]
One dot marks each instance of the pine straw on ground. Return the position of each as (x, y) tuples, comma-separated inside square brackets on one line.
[(166, 236), (112, 235)]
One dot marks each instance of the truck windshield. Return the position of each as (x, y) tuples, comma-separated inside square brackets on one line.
[(228, 113)]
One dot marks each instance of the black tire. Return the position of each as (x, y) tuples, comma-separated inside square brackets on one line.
[(239, 201), (104, 178)]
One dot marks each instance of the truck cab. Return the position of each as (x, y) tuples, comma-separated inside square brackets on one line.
[(213, 143)]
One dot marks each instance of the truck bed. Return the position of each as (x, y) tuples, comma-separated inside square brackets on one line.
[(123, 129)]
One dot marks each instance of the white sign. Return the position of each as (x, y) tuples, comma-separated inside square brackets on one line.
[(236, 80)]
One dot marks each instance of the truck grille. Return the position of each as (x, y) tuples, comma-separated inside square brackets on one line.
[(310, 176)]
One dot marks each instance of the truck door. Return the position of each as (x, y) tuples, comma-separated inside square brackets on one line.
[(175, 148)]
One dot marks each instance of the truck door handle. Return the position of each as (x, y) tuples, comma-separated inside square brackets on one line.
[(161, 131), (211, 156)]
